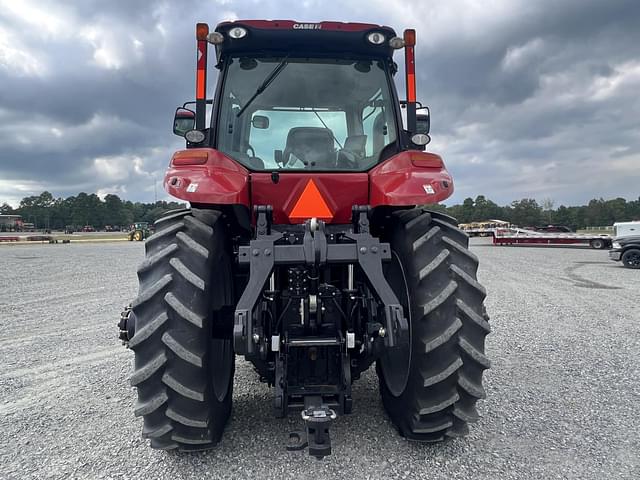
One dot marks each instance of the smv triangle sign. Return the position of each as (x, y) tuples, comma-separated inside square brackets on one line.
[(311, 204)]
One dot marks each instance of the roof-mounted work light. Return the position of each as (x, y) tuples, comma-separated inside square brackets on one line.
[(377, 38), (238, 32)]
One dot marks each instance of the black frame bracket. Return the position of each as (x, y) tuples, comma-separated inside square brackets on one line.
[(263, 254)]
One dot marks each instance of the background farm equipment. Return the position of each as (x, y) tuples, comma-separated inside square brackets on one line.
[(139, 232)]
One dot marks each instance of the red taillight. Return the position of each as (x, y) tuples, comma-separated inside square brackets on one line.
[(426, 160), (190, 157)]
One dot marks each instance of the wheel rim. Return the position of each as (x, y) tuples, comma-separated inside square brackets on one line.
[(632, 259), (396, 363), (221, 367)]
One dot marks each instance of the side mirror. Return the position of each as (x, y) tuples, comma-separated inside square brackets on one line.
[(423, 124), (260, 121), (183, 121), (278, 157), (423, 121)]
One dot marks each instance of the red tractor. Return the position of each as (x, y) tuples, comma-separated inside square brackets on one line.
[(305, 249)]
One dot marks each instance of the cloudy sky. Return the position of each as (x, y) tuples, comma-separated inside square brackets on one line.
[(529, 98)]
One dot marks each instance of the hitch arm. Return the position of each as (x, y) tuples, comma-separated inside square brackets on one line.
[(260, 256), (370, 256)]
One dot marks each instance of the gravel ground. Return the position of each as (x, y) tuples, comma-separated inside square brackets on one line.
[(563, 394)]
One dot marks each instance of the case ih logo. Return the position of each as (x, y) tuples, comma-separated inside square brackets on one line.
[(307, 26)]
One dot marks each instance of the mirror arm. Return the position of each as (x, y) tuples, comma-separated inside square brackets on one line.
[(209, 101)]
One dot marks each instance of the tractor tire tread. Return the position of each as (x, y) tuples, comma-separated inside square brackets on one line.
[(188, 274), (149, 293), (146, 370), (182, 389), (193, 246), (149, 329), (443, 374), (174, 361), (186, 420), (164, 233), (433, 264), (449, 325), (157, 432), (182, 311), (171, 216), (150, 405), (194, 358), (152, 260)]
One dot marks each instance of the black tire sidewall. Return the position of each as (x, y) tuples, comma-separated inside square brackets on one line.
[(626, 255)]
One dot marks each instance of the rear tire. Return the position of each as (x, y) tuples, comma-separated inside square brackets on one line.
[(631, 258), (598, 243), (184, 376), (448, 326)]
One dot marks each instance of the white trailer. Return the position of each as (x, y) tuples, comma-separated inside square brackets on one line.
[(626, 229)]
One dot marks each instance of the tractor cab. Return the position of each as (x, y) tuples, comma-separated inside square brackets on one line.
[(297, 103), (297, 96)]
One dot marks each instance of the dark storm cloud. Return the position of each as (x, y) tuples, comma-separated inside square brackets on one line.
[(528, 98), (541, 103)]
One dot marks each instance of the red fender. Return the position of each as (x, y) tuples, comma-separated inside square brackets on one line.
[(204, 175), (410, 178)]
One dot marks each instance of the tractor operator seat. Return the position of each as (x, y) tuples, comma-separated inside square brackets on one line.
[(313, 146)]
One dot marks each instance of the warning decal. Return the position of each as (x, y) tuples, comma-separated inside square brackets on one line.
[(311, 204)]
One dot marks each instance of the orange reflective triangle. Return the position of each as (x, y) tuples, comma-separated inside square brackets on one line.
[(311, 204)]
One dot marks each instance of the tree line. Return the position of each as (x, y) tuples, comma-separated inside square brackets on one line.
[(47, 212), (529, 213)]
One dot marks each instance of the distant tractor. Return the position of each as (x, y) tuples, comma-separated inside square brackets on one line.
[(305, 248), (139, 231)]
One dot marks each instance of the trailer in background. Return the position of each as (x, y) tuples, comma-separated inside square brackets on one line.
[(483, 229), (521, 236), (626, 229)]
